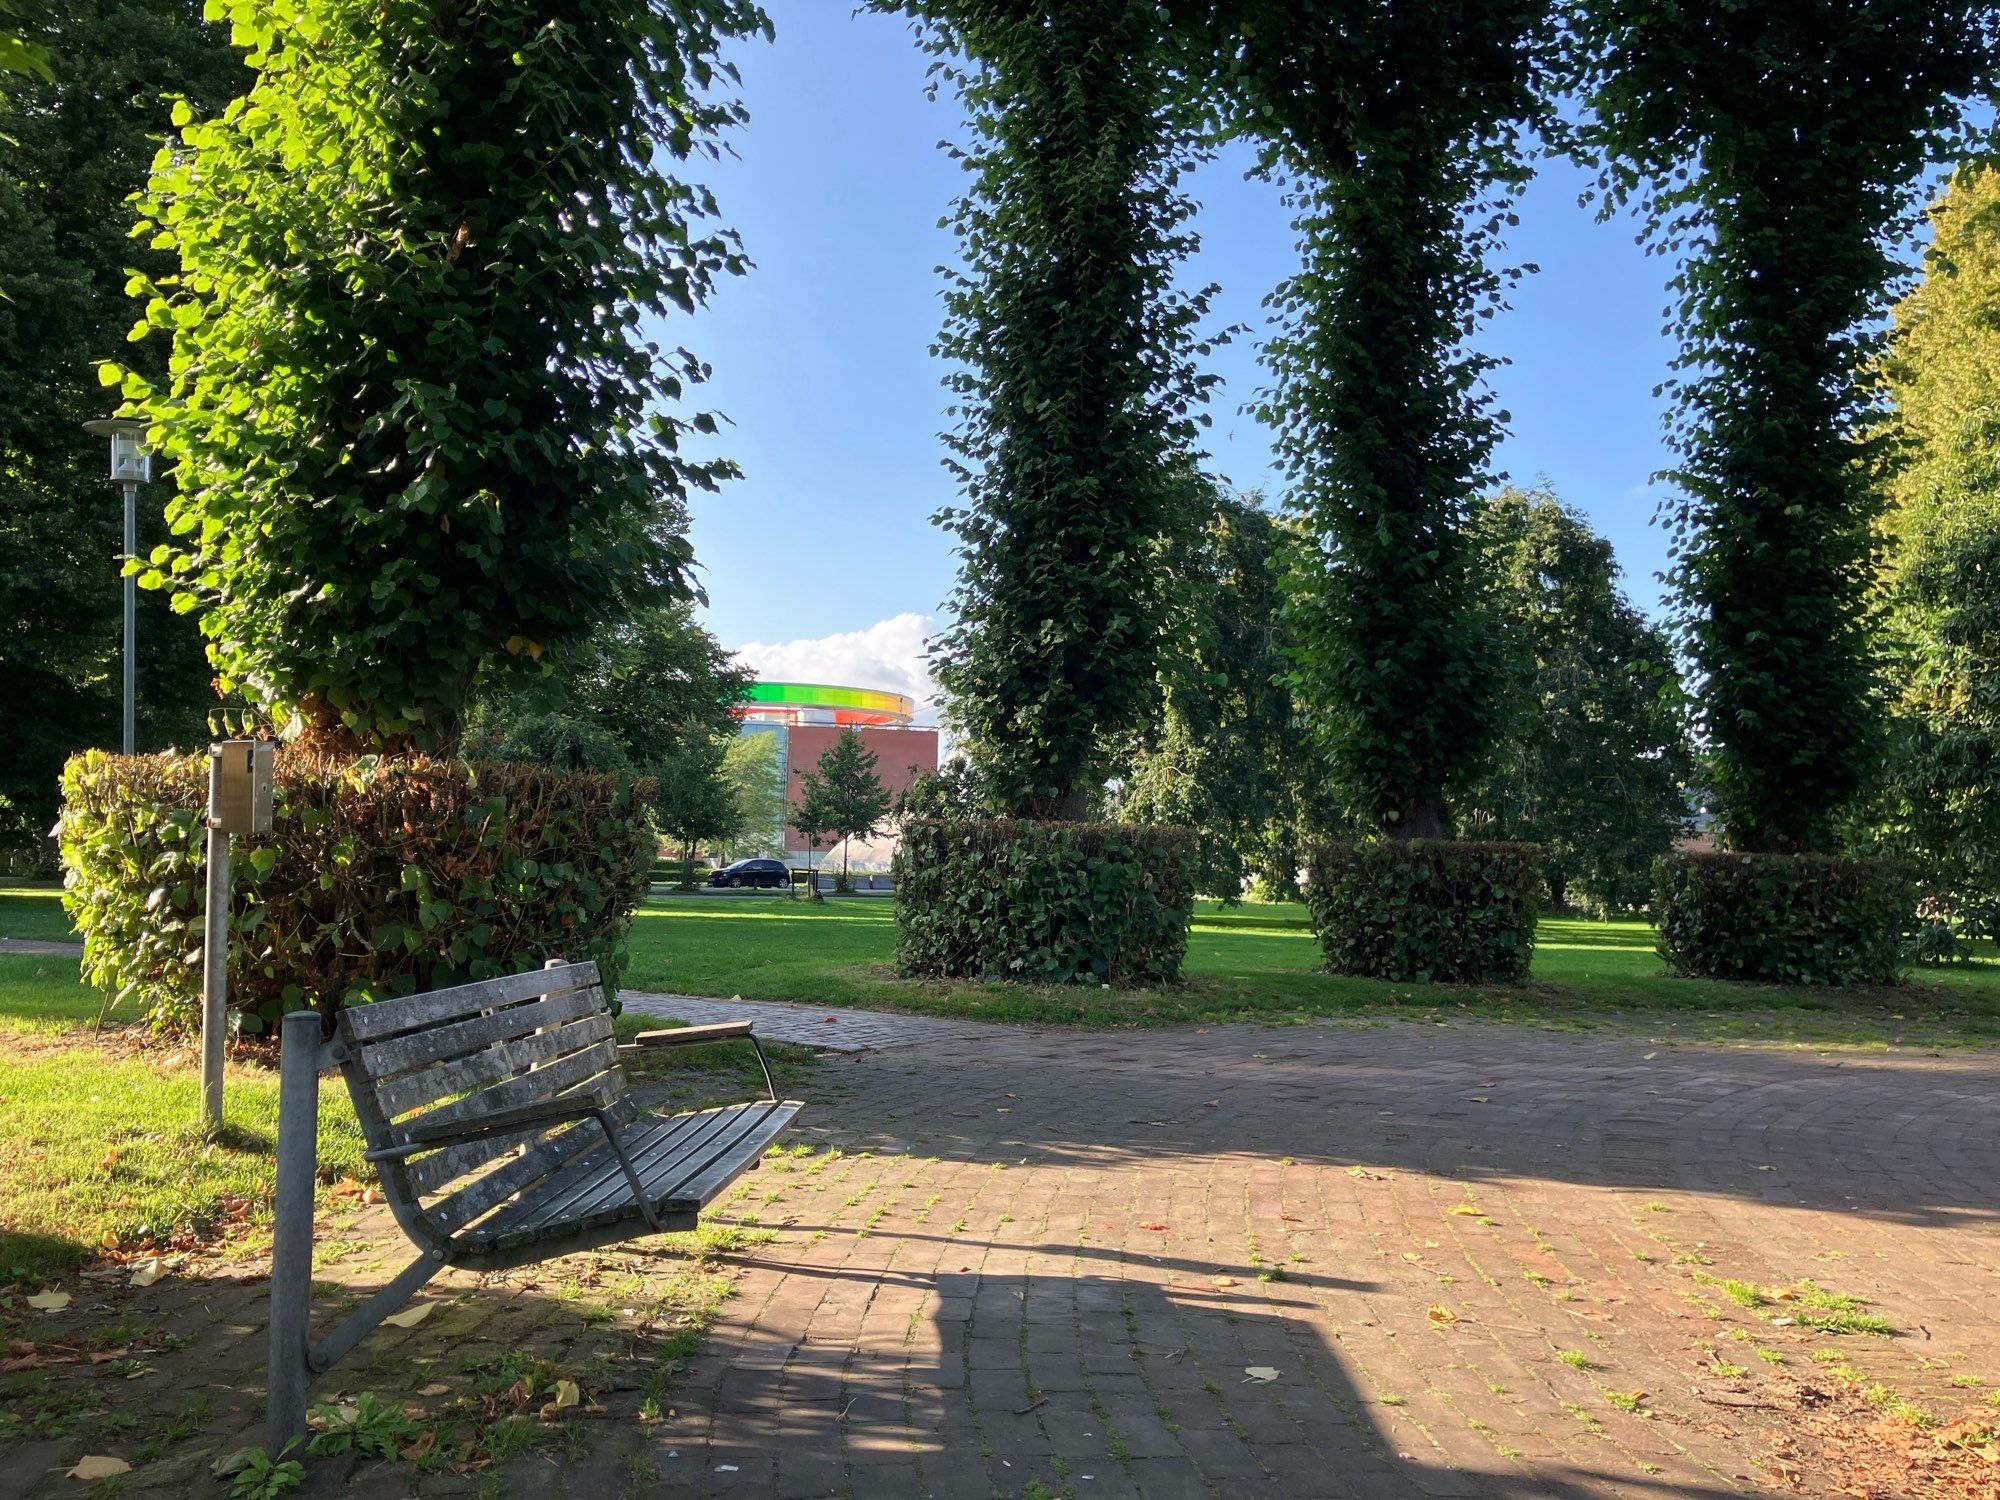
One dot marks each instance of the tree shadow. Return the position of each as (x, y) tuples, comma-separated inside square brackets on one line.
[(1908, 1138)]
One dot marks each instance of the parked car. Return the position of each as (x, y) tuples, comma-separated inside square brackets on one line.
[(772, 874)]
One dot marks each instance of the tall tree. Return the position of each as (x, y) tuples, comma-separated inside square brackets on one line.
[(1398, 124), (847, 792), (1943, 596), (417, 431), (1225, 755), (1777, 145), (76, 136), (755, 775), (1076, 390), (1596, 760)]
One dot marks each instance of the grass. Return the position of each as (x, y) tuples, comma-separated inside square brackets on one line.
[(1261, 962), (99, 1145)]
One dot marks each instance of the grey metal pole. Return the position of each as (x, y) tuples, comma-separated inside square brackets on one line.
[(292, 1230), (214, 957), (131, 622)]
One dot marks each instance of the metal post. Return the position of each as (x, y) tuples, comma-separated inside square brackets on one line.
[(214, 958), (292, 1231), (131, 622)]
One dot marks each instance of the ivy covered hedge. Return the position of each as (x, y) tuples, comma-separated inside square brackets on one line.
[(379, 877), (1042, 903), (1426, 909), (1785, 918)]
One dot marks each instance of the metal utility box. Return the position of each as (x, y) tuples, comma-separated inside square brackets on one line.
[(239, 786)]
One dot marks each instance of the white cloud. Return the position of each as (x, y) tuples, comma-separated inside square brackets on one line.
[(888, 655)]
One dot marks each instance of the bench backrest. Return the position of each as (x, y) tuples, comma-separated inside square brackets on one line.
[(458, 1055)]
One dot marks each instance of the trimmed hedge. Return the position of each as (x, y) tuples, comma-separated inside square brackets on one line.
[(1426, 910), (380, 877), (1042, 903), (1785, 918)]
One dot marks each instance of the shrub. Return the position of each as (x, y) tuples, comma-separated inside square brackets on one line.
[(1426, 909), (379, 877), (1043, 903), (1785, 918)]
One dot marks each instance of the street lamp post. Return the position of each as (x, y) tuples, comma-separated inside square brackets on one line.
[(131, 466)]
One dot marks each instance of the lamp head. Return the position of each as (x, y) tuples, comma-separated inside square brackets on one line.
[(131, 460)]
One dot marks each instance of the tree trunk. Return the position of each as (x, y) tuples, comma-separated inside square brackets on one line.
[(1425, 818)]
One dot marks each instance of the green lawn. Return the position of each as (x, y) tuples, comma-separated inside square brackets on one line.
[(1261, 961), (34, 911), (99, 1145)]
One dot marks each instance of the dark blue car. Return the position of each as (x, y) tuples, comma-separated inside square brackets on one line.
[(771, 874)]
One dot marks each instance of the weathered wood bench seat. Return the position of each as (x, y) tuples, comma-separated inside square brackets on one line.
[(503, 1133)]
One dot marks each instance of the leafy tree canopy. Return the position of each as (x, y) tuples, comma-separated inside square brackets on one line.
[(1943, 800), (75, 140), (1077, 396), (695, 805), (756, 779), (1227, 755), (1398, 127), (1775, 148), (1595, 763), (416, 431)]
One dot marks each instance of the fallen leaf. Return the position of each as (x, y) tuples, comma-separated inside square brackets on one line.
[(567, 1393), (110, 1159), (425, 1442), (147, 1272), (107, 1356), (1464, 1210), (1262, 1374), (1159, 1227), (1441, 1314), (51, 1302), (99, 1466), (1225, 1281), (410, 1317), (438, 1388), (230, 1464)]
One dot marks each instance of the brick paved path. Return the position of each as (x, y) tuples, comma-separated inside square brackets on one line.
[(1481, 1260)]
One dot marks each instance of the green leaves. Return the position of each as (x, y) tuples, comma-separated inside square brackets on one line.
[(1042, 903), (407, 405), (1425, 911), (1076, 390), (1785, 919), (377, 879), (1775, 148)]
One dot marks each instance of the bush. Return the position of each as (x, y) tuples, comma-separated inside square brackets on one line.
[(379, 877), (1426, 909), (1785, 918), (1042, 903)]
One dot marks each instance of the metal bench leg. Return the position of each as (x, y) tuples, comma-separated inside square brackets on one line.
[(770, 1086), (292, 1235)]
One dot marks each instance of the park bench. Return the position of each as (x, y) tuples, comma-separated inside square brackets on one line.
[(503, 1133)]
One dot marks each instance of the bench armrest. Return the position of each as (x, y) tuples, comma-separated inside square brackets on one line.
[(694, 1036)]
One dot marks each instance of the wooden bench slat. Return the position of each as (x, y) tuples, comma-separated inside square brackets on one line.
[(400, 1095), (593, 1176), (702, 1162), (454, 1211), (431, 1171), (553, 1081), (417, 1049), (383, 1018), (688, 1036)]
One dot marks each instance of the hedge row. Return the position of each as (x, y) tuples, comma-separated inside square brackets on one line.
[(1420, 910), (1043, 903), (1785, 918), (380, 877)]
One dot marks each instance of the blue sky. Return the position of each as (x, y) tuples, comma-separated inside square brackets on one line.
[(822, 362)]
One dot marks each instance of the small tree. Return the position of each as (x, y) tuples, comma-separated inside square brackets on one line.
[(694, 804), (756, 779), (853, 797), (812, 815)]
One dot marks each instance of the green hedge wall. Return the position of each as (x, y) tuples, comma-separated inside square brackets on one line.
[(1042, 903), (379, 877), (1785, 918), (1421, 910)]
